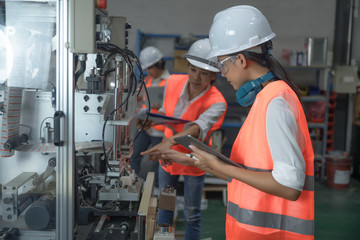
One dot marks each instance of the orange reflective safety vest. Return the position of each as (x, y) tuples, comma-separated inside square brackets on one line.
[(174, 88), (149, 81), (162, 83), (251, 213)]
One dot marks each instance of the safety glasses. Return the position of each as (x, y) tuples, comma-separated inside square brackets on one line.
[(225, 64)]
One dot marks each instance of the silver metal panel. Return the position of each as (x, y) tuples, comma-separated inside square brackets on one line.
[(317, 50), (82, 26), (34, 21), (37, 235), (32, 27), (22, 162), (130, 193), (36, 108), (89, 124), (10, 192), (65, 102), (118, 28)]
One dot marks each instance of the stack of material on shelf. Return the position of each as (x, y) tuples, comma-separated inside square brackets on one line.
[(180, 63), (357, 107), (316, 111), (331, 122), (317, 143), (10, 120)]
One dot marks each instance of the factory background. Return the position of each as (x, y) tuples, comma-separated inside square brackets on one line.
[(292, 21), (64, 177)]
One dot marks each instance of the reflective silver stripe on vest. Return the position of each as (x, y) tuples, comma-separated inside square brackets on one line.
[(309, 183), (270, 220), (255, 169)]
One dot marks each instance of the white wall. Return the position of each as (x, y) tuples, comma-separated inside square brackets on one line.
[(291, 20)]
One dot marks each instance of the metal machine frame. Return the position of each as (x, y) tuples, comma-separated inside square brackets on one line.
[(110, 180)]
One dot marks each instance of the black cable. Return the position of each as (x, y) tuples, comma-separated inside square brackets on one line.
[(107, 72), (103, 132), (76, 61), (126, 54), (147, 115), (77, 200), (95, 208), (80, 71), (99, 61)]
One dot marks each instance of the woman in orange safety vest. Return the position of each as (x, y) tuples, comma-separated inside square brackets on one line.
[(271, 194), (191, 97)]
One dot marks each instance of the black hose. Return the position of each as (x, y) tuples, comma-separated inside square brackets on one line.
[(81, 71)]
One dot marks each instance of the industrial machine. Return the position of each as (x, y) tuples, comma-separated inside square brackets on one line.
[(68, 95)]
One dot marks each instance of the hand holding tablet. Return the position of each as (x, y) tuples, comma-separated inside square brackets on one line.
[(188, 140)]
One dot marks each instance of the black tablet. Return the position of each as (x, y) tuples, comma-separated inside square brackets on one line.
[(156, 95), (189, 140), (166, 120), (158, 118)]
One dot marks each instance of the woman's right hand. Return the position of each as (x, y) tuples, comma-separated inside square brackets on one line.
[(143, 124), (155, 151)]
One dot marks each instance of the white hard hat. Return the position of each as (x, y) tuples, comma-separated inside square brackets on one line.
[(149, 56), (197, 55), (238, 28)]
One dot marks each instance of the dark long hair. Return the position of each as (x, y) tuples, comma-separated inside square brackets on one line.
[(266, 59)]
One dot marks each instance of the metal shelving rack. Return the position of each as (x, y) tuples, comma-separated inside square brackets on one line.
[(327, 80)]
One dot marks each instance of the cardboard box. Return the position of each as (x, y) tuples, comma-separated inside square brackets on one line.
[(180, 63)]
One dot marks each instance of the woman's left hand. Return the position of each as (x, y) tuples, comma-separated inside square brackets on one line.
[(178, 157), (205, 160)]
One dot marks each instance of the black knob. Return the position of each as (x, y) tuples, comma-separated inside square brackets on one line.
[(7, 200)]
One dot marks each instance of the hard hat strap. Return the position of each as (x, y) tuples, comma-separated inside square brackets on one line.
[(201, 60)]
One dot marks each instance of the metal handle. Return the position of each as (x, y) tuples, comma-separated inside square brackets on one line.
[(57, 128)]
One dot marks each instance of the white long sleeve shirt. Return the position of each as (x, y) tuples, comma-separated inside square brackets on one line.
[(285, 144), (206, 120)]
